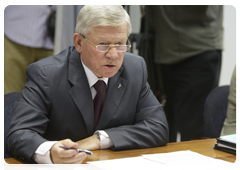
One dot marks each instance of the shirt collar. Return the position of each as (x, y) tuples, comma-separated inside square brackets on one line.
[(92, 78)]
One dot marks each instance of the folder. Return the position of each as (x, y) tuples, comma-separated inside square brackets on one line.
[(227, 144)]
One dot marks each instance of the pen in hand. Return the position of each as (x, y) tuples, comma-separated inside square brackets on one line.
[(78, 150)]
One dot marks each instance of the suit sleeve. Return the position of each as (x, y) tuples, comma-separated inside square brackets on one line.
[(150, 128), (30, 116)]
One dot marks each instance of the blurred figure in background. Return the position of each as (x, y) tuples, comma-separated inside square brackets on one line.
[(188, 48), (26, 40), (229, 126)]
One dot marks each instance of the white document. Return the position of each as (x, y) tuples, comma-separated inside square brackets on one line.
[(78, 168), (188, 160), (134, 163), (181, 160)]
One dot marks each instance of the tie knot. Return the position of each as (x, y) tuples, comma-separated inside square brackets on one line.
[(99, 86)]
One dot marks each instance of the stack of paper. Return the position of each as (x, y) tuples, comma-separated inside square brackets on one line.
[(181, 160), (226, 144)]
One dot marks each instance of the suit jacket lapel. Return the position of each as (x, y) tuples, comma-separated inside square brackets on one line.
[(80, 91), (116, 88)]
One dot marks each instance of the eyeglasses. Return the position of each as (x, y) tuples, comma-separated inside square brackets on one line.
[(105, 48)]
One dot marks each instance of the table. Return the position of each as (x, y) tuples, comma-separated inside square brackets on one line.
[(203, 146)]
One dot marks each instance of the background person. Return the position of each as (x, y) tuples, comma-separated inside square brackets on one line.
[(188, 49), (26, 40), (229, 126)]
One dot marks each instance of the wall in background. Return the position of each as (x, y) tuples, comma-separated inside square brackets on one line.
[(229, 52)]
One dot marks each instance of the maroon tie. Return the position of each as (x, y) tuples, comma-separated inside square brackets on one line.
[(99, 87)]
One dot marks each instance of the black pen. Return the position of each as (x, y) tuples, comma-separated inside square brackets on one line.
[(78, 150)]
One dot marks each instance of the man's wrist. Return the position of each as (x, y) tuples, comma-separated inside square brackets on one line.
[(105, 141), (42, 154)]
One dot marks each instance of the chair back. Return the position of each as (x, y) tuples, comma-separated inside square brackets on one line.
[(9, 100), (215, 110)]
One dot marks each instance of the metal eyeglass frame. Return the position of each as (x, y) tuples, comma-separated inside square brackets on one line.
[(109, 46)]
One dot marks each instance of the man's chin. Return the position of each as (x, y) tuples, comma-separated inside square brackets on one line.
[(109, 75)]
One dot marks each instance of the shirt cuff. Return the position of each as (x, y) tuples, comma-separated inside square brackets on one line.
[(105, 141), (42, 154)]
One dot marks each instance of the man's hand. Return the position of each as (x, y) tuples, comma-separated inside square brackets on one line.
[(62, 156), (90, 143)]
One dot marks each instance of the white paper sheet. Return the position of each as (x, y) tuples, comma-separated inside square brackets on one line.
[(181, 160), (188, 160), (78, 168), (134, 163)]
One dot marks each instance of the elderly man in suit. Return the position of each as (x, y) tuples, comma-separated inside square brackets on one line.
[(58, 107)]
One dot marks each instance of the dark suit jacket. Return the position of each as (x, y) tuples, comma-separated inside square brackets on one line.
[(57, 104)]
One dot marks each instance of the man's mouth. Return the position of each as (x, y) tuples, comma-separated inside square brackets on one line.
[(109, 65)]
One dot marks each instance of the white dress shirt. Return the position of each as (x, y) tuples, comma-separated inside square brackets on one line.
[(42, 154)]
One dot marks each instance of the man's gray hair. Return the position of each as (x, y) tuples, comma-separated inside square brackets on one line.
[(94, 16)]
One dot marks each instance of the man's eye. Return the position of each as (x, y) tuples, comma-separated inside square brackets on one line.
[(102, 43)]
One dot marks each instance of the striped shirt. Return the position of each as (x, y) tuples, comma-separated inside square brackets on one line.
[(26, 25)]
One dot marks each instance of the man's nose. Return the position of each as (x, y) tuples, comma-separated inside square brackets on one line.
[(112, 52)]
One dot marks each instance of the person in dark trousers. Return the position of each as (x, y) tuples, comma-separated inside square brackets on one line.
[(188, 49)]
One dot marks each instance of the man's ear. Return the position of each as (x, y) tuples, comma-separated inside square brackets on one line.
[(77, 39)]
